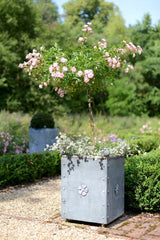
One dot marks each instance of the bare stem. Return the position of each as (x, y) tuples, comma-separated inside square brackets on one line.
[(91, 116)]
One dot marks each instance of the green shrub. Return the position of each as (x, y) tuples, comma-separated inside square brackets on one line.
[(144, 144), (41, 120), (148, 143), (16, 169), (142, 181)]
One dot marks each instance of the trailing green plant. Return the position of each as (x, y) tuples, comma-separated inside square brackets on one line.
[(142, 181), (41, 120), (82, 147), (23, 168)]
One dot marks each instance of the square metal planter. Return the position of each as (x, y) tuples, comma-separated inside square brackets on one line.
[(92, 190), (39, 138)]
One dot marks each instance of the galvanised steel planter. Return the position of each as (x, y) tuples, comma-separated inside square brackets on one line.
[(92, 190), (38, 138)]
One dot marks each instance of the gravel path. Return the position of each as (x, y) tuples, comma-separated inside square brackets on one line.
[(33, 212)]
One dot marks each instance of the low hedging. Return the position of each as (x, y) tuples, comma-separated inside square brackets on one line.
[(144, 144), (142, 181), (23, 168)]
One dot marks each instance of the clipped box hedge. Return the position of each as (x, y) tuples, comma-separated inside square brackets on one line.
[(23, 168), (145, 143), (142, 181)]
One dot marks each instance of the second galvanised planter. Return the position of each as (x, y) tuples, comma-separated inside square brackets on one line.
[(39, 138)]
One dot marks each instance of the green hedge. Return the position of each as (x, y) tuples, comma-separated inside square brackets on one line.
[(142, 181), (16, 169), (145, 143)]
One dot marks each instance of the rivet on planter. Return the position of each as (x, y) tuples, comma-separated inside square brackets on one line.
[(106, 153)]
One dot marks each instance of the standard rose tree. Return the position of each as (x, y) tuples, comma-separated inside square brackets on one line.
[(89, 67)]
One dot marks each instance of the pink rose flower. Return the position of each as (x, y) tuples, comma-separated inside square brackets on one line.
[(107, 54), (80, 39), (89, 29), (131, 67), (139, 50), (64, 69), (55, 65), (21, 65), (90, 73), (118, 64), (86, 79), (63, 60), (79, 73), (73, 69), (127, 70), (110, 60), (29, 56)]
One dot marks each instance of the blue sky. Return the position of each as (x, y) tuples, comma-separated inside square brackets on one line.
[(131, 10)]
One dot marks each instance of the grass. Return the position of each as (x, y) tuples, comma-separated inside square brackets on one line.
[(124, 127), (14, 123)]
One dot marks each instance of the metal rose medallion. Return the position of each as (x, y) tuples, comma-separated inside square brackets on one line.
[(116, 189), (83, 190)]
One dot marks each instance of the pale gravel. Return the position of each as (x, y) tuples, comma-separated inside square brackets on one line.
[(33, 212)]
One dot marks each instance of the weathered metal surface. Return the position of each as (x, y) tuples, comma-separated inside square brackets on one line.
[(38, 138), (92, 190)]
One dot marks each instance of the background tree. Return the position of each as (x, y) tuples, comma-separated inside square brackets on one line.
[(99, 12), (146, 91), (147, 72), (18, 31), (48, 11), (23, 26)]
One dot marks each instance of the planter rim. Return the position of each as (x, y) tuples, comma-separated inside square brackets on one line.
[(92, 157)]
